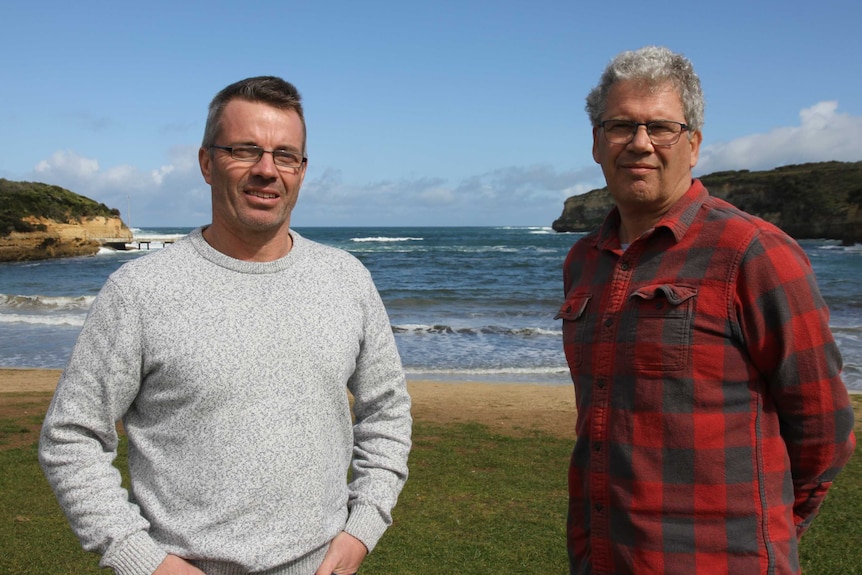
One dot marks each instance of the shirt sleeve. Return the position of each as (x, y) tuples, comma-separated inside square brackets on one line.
[(785, 327), (382, 429), (79, 438)]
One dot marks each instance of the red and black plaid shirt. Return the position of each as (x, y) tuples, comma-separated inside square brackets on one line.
[(712, 418)]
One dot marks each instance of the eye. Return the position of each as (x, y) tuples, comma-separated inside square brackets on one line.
[(285, 158), (619, 127), (246, 152), (291, 157), (662, 128)]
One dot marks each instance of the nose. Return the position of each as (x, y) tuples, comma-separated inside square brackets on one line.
[(641, 138), (265, 166)]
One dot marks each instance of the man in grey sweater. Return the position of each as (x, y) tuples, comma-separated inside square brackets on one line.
[(228, 356)]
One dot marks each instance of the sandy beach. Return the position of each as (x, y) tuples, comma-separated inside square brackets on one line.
[(512, 408)]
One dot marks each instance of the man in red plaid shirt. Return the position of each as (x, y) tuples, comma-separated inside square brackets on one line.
[(712, 418)]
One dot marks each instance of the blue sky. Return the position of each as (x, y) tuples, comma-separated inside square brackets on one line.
[(446, 113)]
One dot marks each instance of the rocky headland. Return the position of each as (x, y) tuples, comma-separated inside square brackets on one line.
[(39, 221), (808, 201)]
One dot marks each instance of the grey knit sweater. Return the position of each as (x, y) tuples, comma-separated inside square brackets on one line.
[(231, 379)]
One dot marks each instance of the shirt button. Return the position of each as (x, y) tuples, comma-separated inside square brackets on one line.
[(597, 446), (625, 266), (599, 507), (609, 322), (600, 384)]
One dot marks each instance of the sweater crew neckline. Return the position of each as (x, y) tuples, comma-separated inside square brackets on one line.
[(220, 259)]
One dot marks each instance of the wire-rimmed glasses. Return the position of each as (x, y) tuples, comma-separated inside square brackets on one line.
[(281, 158), (660, 132)]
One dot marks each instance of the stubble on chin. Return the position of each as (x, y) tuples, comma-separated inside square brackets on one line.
[(634, 192)]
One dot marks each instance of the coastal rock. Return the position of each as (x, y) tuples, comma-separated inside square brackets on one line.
[(52, 239), (853, 225), (808, 201), (40, 221)]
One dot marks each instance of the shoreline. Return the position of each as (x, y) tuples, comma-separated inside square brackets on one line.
[(512, 408), (517, 408)]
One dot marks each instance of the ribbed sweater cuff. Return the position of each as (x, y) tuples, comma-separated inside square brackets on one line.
[(136, 555), (306, 564), (366, 524)]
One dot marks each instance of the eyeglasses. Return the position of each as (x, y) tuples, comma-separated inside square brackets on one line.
[(661, 133), (281, 158)]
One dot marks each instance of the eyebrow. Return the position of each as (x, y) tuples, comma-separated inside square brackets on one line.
[(285, 148)]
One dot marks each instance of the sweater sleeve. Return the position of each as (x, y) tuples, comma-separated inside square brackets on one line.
[(382, 428), (785, 324), (79, 437)]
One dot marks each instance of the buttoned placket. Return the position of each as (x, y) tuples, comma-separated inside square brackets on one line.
[(601, 409)]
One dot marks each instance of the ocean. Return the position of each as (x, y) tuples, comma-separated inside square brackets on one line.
[(465, 303)]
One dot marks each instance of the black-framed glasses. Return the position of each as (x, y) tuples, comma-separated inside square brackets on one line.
[(281, 158), (660, 132)]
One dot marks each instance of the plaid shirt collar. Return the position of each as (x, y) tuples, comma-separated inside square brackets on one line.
[(677, 219)]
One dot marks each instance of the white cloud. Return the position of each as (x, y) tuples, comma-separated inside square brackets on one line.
[(173, 193), (84, 175), (528, 195), (526, 184), (823, 134), (437, 196), (326, 199), (160, 173), (67, 164)]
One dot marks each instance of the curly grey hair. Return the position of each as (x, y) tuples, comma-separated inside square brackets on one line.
[(654, 66)]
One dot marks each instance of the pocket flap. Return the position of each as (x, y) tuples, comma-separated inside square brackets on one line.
[(574, 306), (674, 294)]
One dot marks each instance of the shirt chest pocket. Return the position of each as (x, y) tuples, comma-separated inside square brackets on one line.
[(660, 318), (573, 314)]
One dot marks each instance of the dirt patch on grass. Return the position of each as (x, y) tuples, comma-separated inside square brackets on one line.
[(510, 408), (21, 416), (24, 398)]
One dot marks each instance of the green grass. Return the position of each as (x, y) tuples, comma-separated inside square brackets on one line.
[(24, 426), (833, 544), (36, 538), (476, 503)]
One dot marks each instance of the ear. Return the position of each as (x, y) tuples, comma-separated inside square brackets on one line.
[(205, 160), (696, 139), (596, 145), (302, 170)]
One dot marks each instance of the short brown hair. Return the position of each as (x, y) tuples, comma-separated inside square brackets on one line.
[(269, 90)]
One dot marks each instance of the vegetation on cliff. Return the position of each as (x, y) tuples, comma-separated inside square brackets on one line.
[(20, 200), (817, 200), (38, 221)]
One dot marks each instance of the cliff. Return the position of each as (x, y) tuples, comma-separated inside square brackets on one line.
[(818, 200), (38, 221)]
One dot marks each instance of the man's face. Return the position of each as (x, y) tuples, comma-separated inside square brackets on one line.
[(253, 199), (645, 179)]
